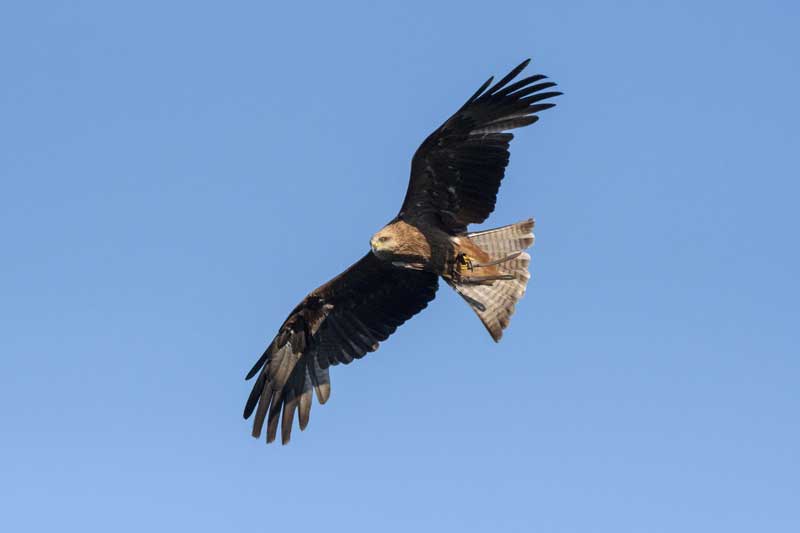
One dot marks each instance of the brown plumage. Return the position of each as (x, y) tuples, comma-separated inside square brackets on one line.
[(455, 176)]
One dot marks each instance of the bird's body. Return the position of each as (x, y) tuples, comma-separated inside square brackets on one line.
[(424, 246), (455, 176)]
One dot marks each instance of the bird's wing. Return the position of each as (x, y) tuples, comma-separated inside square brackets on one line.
[(338, 322), (456, 171)]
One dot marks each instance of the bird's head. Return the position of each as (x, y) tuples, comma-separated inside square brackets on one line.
[(385, 242)]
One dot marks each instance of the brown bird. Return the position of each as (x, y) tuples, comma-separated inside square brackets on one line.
[(455, 176)]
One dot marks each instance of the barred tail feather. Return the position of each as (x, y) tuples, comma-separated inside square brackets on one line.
[(502, 241), (494, 303)]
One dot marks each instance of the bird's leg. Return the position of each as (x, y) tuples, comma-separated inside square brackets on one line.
[(509, 257), (463, 263), (483, 279)]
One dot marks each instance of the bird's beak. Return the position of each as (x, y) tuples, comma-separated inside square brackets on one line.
[(373, 245)]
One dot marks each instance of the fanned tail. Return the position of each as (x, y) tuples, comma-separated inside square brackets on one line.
[(494, 301)]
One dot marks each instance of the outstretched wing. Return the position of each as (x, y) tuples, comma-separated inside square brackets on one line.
[(338, 322), (457, 170)]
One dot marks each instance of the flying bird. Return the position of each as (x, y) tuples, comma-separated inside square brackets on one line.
[(455, 176)]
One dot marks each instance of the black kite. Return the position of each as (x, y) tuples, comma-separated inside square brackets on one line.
[(455, 176)]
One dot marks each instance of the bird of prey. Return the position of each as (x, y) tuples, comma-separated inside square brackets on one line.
[(455, 176)]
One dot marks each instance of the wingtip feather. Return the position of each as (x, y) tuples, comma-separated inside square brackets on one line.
[(304, 411), (323, 393), (508, 77), (287, 420)]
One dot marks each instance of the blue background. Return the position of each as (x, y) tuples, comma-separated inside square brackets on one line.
[(177, 176)]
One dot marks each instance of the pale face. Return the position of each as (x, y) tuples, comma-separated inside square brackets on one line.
[(383, 242)]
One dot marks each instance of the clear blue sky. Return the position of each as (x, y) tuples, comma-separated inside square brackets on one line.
[(176, 176)]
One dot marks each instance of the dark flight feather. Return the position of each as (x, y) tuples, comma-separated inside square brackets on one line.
[(456, 172), (340, 321)]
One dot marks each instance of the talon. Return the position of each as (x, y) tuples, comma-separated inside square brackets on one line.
[(463, 263)]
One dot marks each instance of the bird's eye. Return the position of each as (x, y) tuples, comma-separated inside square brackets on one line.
[(383, 239)]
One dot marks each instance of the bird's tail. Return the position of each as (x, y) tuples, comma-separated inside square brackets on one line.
[(494, 295)]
